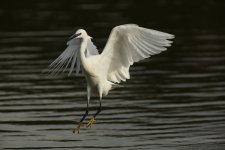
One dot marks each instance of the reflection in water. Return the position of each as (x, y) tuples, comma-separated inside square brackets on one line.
[(174, 100)]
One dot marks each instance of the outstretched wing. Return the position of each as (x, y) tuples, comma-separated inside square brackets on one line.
[(128, 44), (91, 48), (69, 58)]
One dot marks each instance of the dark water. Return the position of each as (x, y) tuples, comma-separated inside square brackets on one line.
[(175, 100)]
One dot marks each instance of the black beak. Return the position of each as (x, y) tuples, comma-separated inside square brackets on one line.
[(74, 36)]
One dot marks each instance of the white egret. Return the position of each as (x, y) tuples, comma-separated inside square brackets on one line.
[(126, 44)]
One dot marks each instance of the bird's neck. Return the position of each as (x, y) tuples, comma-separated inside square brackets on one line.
[(82, 53), (86, 66)]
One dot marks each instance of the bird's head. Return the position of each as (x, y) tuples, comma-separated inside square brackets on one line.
[(80, 33)]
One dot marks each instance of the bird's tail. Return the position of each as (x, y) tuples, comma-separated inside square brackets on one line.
[(114, 85), (107, 86)]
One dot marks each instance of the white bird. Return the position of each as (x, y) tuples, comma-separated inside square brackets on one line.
[(126, 44)]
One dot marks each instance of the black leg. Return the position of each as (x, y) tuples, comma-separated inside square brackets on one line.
[(99, 109), (85, 114), (92, 120), (82, 119)]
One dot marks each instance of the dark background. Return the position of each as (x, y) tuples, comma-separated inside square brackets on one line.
[(39, 15), (174, 100)]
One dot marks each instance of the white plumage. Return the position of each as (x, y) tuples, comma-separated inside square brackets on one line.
[(126, 44)]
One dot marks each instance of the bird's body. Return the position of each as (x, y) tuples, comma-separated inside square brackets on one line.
[(96, 80), (103, 72)]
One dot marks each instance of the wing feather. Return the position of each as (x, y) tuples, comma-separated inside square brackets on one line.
[(128, 44), (69, 58), (91, 49)]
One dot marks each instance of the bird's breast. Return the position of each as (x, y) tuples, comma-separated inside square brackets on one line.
[(91, 78)]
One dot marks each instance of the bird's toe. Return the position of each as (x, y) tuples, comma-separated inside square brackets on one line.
[(90, 123), (77, 129)]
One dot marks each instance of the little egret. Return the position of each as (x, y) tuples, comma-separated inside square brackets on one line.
[(126, 44)]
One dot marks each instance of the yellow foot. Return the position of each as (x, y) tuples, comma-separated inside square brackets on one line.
[(77, 129), (91, 121)]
